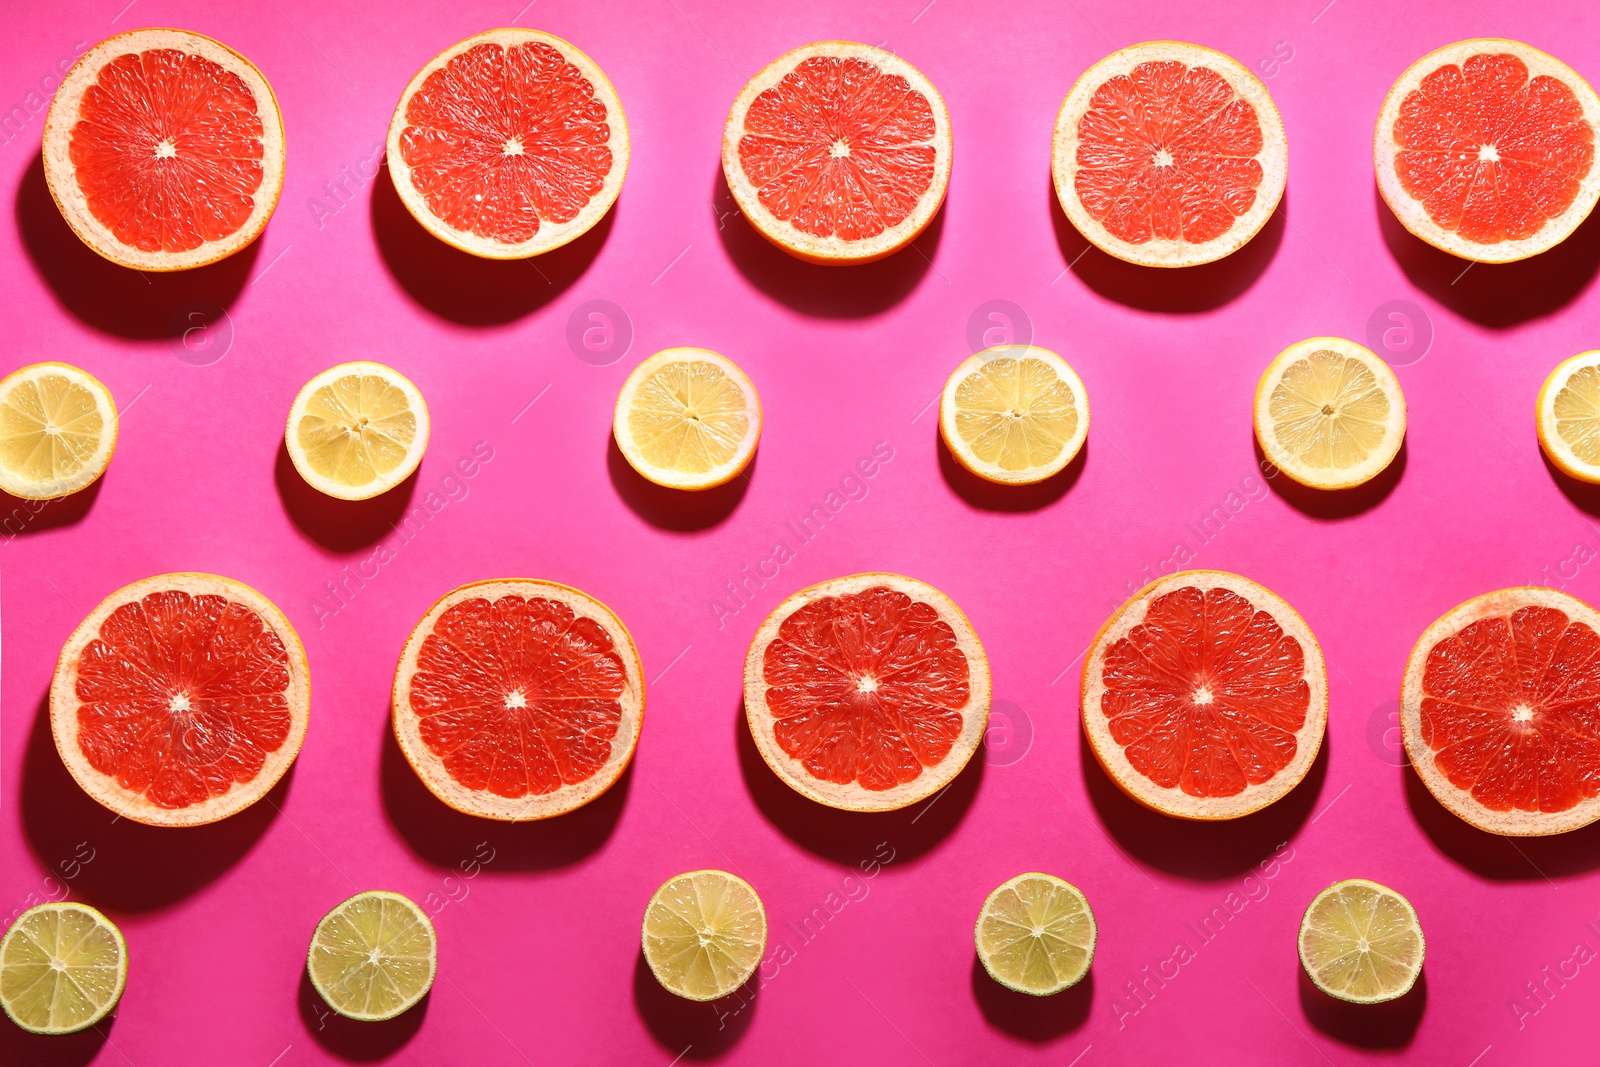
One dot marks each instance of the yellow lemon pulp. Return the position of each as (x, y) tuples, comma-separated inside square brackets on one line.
[(57, 431), (1015, 413), (1036, 934), (688, 417), (357, 430), (1577, 414), (704, 933), (1329, 411)]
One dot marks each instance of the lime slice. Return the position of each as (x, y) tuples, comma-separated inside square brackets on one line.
[(1036, 934), (1361, 942), (373, 956), (62, 968), (704, 933)]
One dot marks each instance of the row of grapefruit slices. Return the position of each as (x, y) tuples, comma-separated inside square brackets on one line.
[(164, 150)]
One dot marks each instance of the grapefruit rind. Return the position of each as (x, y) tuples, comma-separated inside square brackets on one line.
[(16, 930), (24, 489), (1555, 446), (1160, 252), (672, 479), (383, 483), (994, 472), (1458, 801), (1411, 213), (1174, 801), (1306, 928), (481, 802), (655, 965), (552, 234), (62, 180), (1286, 461), (64, 705), (853, 796), (833, 250)]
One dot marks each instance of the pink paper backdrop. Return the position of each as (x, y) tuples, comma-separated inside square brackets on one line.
[(539, 924)]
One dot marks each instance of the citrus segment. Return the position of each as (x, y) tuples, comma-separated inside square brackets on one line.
[(1205, 696), (687, 418), (838, 152), (164, 150), (1329, 413), (1569, 417), (1036, 934), (1500, 711), (869, 692), (1361, 942), (508, 144), (357, 430), (63, 967), (1014, 414), (373, 957), (58, 429), (704, 933), (1169, 154)]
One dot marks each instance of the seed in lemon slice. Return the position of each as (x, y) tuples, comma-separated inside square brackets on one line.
[(58, 428), (1014, 414), (1036, 934), (1329, 413), (688, 419), (1569, 417), (357, 430), (62, 968), (704, 933), (1361, 942), (373, 957)]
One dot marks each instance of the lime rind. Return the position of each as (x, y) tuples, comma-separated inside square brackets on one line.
[(1361, 942), (79, 993), (373, 957), (1036, 934)]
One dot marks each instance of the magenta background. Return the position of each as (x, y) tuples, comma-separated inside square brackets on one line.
[(539, 962)]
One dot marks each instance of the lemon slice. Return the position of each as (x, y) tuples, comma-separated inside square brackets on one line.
[(373, 957), (1014, 414), (62, 968), (1569, 417), (688, 419), (357, 430), (58, 428), (1361, 942), (1329, 413), (1036, 934), (704, 933)]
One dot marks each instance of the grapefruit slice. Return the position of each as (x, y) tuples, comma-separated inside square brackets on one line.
[(1014, 414), (164, 150), (1500, 711), (1361, 942), (63, 967), (508, 144), (1036, 935), (704, 933), (1485, 149), (518, 699), (838, 152), (867, 693), (687, 418), (1569, 417), (1329, 413), (1169, 154), (373, 957), (58, 429), (181, 699), (357, 430), (1205, 696)]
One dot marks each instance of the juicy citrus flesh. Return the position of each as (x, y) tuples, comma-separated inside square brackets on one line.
[(168, 150), (1016, 413), (62, 968), (704, 933), (689, 418), (1491, 154), (373, 957), (1361, 942), (840, 148), (1168, 151), (1329, 411), (359, 430), (501, 140), (55, 430), (518, 696), (1036, 934), (866, 687), (1569, 417), (1207, 694)]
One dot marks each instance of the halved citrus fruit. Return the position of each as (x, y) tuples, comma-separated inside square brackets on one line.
[(1169, 154), (1205, 696), (1036, 934), (1329, 413), (58, 428), (1485, 149), (838, 152), (1500, 711), (687, 418), (373, 957), (868, 693), (63, 967), (704, 933), (1569, 417), (1361, 942), (181, 699), (164, 150), (508, 144), (357, 430), (518, 699), (1014, 414)]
